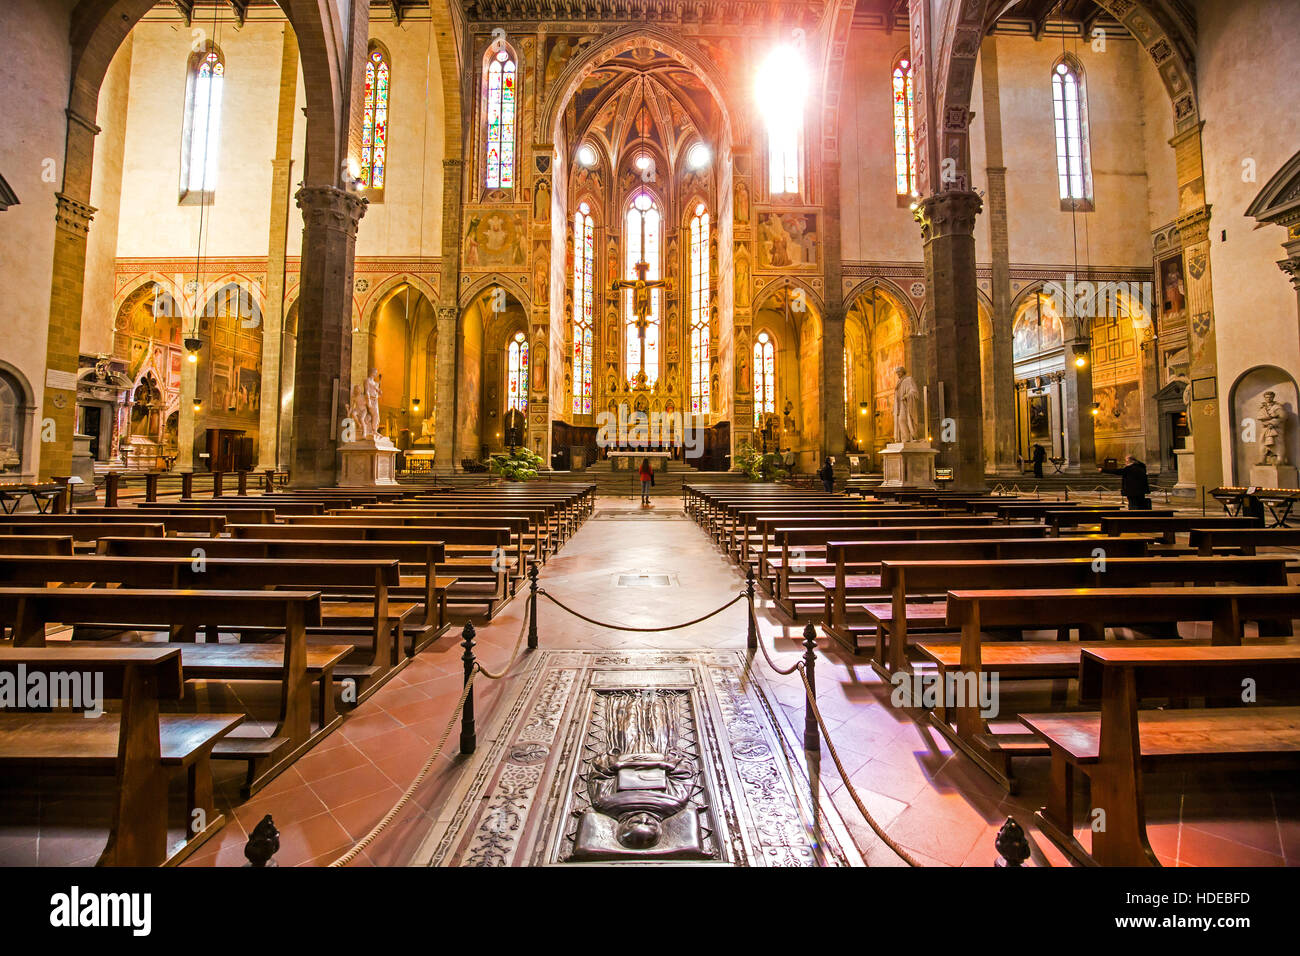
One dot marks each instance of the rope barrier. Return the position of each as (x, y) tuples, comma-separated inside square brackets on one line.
[(639, 630), (410, 792)]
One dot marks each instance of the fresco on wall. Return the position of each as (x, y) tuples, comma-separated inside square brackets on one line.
[(1119, 408), (787, 240), (494, 239), (1029, 335), (1173, 291)]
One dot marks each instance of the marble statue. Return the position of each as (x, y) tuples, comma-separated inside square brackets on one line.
[(907, 400), (358, 413), (372, 404), (1272, 424)]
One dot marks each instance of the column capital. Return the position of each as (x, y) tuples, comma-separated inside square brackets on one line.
[(949, 213), (1291, 267), (72, 214), (1194, 226), (331, 207)]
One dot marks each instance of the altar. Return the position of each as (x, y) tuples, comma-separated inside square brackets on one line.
[(631, 460)]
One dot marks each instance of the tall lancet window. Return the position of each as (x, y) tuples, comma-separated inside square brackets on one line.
[(201, 136), (782, 86), (764, 378), (644, 224), (904, 129), (584, 306), (700, 311), (1070, 112), (500, 108), (517, 372), (374, 121)]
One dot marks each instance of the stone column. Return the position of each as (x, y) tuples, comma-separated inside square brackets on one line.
[(1076, 394), (186, 419), (330, 218), (833, 438), (268, 426), (443, 408), (1148, 385), (952, 314), (63, 342), (1003, 388)]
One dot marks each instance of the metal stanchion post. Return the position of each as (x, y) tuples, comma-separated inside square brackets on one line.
[(468, 738), (811, 739), (752, 640), (532, 606)]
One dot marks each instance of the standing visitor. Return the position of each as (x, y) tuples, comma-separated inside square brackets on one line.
[(1133, 483), (1039, 456), (827, 475), (647, 480)]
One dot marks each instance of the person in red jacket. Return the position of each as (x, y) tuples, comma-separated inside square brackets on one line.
[(647, 479)]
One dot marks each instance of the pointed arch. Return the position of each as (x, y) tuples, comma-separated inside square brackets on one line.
[(499, 99)]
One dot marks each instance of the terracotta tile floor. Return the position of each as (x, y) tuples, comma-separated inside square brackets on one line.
[(934, 802)]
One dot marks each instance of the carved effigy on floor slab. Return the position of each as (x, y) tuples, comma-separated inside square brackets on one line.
[(635, 758)]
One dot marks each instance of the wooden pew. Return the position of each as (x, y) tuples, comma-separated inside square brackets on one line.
[(210, 525), (866, 556), (776, 571), (1247, 540), (1067, 518), (478, 557), (369, 580), (1117, 745), (1169, 527), (977, 611), (908, 579), (28, 610), (419, 561), (35, 544), (87, 531), (139, 746)]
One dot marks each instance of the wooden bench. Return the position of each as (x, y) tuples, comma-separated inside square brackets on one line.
[(1116, 746), (1167, 528), (1246, 540), (209, 525), (267, 749), (1067, 518), (908, 579), (977, 611), (866, 556), (82, 531), (366, 581), (813, 569), (139, 746)]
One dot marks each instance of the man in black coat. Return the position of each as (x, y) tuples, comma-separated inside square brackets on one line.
[(1132, 483), (1039, 456), (827, 475)]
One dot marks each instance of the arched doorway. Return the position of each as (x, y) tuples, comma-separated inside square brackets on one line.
[(877, 334), (782, 366), (498, 370), (401, 342)]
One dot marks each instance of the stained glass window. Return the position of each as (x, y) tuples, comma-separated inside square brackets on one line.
[(643, 234), (584, 299), (202, 131), (700, 311), (517, 374), (1072, 171), (374, 121), (501, 121), (782, 86), (904, 129), (764, 378)]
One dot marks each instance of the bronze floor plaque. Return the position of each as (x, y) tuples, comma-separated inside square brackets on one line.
[(635, 758)]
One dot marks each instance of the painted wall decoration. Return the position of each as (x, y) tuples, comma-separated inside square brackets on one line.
[(788, 241), (1037, 328), (494, 238), (1119, 408), (1173, 291)]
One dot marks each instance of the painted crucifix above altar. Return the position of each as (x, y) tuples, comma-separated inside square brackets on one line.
[(642, 288)]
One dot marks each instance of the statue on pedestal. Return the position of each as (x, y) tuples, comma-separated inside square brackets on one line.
[(907, 400), (1272, 425), (372, 404)]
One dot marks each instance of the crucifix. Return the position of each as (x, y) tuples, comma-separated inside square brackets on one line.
[(641, 288)]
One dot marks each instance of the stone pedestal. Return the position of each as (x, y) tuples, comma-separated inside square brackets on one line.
[(83, 467), (141, 453), (368, 463), (1186, 458), (1273, 476), (908, 464)]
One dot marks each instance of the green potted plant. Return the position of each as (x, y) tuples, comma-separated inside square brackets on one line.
[(759, 466), (517, 465)]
